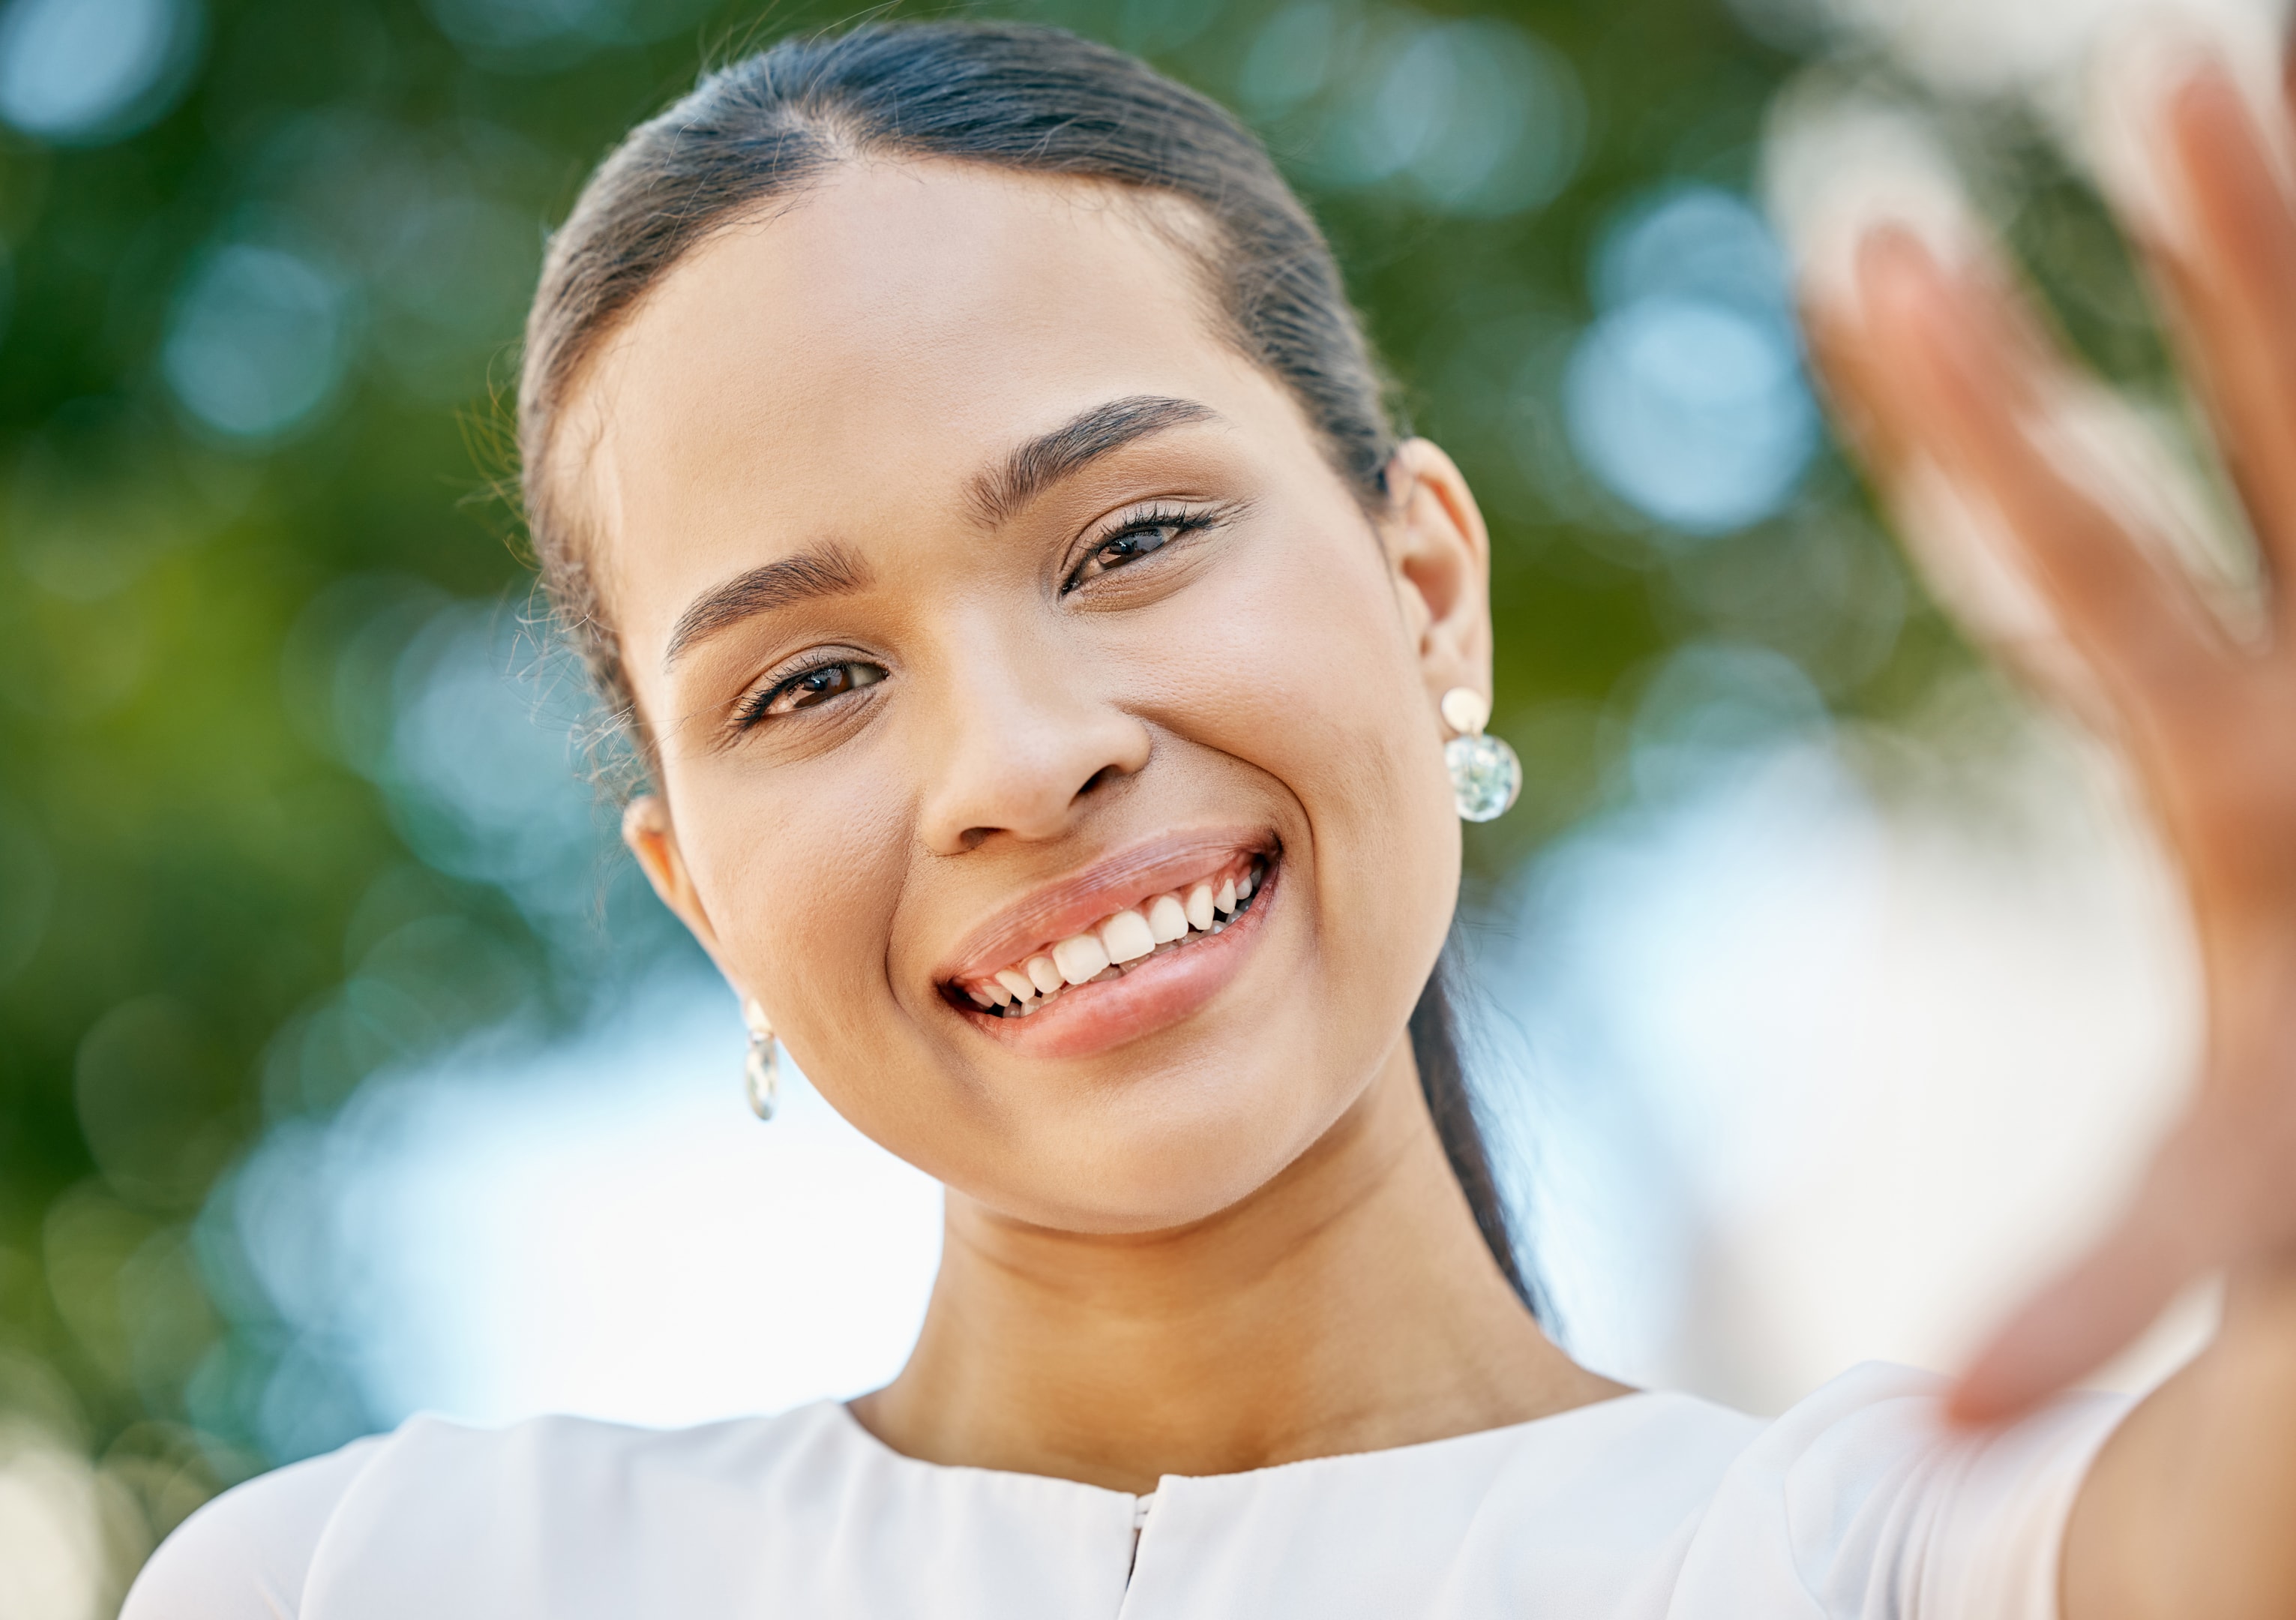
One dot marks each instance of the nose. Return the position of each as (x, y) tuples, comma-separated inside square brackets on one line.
[(1022, 738)]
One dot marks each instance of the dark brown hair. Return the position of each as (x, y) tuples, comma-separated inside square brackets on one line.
[(1034, 99)]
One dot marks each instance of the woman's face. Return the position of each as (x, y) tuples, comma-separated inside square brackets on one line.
[(976, 593)]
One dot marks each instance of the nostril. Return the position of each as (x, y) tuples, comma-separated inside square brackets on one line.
[(1099, 779)]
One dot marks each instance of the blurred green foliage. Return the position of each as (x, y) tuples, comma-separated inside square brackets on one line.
[(195, 858)]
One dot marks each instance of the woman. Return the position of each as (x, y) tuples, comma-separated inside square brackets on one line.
[(954, 451)]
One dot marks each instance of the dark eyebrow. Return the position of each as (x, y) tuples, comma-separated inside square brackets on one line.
[(1036, 466), (997, 494), (833, 570)]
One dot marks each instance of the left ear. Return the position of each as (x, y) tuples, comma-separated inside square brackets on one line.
[(1440, 553)]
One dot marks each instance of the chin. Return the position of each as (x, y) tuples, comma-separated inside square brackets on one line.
[(1179, 1153)]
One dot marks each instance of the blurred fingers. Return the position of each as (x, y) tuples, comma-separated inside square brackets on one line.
[(1965, 386), (2071, 1328), (2177, 1230), (2200, 176), (1839, 164), (1957, 539), (2216, 1198)]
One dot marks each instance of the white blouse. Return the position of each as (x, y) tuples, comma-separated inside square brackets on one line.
[(1855, 1503)]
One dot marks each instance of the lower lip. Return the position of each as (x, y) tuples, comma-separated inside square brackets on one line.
[(1088, 1019)]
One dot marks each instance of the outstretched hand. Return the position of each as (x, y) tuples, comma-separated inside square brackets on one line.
[(1948, 377)]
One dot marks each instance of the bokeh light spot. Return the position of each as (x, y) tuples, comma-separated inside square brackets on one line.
[(1690, 411), (543, 35), (1291, 59), (1483, 117), (479, 788), (87, 72), (1697, 240), (1711, 708), (1155, 26), (1474, 118), (259, 343), (53, 1564), (1685, 398)]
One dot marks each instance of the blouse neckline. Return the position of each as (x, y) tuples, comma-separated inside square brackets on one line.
[(859, 1433)]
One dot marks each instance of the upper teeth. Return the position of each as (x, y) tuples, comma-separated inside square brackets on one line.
[(1168, 919), (1016, 984), (1081, 957), (1124, 936)]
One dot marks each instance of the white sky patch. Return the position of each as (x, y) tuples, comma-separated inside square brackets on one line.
[(603, 1230)]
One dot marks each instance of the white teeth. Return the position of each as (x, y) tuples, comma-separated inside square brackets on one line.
[(1127, 937), (1080, 957), (1167, 919)]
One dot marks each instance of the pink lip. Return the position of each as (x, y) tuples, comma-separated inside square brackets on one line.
[(1076, 903), (1154, 994)]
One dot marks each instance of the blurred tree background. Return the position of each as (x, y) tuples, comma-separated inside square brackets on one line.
[(262, 268)]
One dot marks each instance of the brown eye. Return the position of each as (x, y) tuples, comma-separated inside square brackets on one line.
[(1129, 545), (1137, 535), (818, 685), (1134, 543)]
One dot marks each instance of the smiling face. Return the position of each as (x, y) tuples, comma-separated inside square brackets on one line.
[(1001, 630)]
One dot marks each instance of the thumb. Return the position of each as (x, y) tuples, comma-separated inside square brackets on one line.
[(2096, 1306)]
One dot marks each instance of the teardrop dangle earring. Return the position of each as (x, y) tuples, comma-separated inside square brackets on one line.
[(1486, 776), (762, 1068)]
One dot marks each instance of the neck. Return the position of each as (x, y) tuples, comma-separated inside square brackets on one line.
[(1349, 1306)]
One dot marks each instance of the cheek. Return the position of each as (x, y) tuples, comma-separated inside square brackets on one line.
[(810, 946), (1361, 751), (1338, 701), (1298, 663)]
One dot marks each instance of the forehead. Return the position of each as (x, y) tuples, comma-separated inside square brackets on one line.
[(895, 329)]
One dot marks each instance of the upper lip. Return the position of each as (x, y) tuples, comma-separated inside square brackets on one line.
[(1074, 903)]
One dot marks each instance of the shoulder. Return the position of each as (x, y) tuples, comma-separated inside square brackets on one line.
[(245, 1555), (1862, 1500), (274, 1548)]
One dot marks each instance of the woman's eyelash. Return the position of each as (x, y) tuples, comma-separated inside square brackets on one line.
[(1168, 522), (1135, 524), (858, 673)]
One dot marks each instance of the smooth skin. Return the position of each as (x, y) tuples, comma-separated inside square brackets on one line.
[(1938, 361), (1231, 1239)]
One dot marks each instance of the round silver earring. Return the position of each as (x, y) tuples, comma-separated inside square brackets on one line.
[(1485, 776), (761, 1070)]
